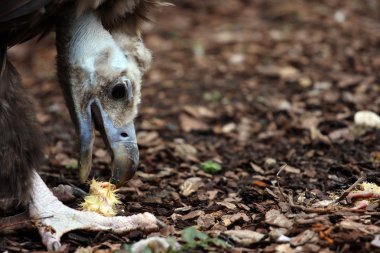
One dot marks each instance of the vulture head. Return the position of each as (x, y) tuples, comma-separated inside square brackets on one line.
[(101, 71)]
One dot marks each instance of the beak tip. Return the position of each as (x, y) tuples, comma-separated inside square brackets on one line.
[(122, 173), (125, 161)]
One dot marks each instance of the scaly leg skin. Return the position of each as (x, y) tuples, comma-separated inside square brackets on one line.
[(56, 219)]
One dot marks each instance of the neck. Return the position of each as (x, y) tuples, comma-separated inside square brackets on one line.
[(87, 42), (91, 43), (88, 59)]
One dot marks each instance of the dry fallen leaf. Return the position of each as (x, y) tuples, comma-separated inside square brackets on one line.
[(205, 221), (276, 218), (190, 186), (199, 111), (284, 248), (244, 237), (343, 133), (228, 205), (193, 214), (231, 219), (291, 169), (189, 124), (148, 139), (289, 73), (87, 249), (352, 225), (305, 237), (185, 151)]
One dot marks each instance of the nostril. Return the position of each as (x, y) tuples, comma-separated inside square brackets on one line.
[(124, 135)]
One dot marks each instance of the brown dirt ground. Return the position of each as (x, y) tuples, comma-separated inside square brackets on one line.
[(251, 85)]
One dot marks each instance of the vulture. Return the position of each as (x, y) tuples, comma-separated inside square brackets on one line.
[(100, 62)]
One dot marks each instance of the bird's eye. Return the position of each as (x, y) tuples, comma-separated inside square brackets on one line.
[(119, 91)]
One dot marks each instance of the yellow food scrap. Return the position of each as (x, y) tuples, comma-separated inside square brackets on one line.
[(101, 199), (368, 187)]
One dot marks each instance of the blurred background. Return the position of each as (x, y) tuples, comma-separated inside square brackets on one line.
[(241, 79), (246, 84)]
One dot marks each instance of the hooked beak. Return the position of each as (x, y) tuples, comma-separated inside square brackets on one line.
[(120, 140)]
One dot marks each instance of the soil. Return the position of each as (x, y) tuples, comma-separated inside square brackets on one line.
[(255, 86)]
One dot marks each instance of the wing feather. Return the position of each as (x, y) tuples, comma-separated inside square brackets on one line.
[(17, 8), (122, 15), (21, 20)]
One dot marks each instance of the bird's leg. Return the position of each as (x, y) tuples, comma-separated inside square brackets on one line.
[(56, 219)]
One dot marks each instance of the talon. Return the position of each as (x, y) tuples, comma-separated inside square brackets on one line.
[(56, 246), (56, 219)]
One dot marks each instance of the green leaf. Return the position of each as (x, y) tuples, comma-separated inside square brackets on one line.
[(211, 167), (192, 238), (147, 250), (220, 243), (172, 242), (197, 239), (201, 235), (125, 249), (71, 165), (189, 234), (213, 96)]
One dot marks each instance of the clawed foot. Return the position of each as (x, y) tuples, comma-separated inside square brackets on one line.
[(55, 219)]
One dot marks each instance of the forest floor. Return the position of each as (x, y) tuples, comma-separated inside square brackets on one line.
[(257, 87)]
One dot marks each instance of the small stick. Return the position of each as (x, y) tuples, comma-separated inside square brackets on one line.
[(346, 192), (321, 210), (17, 222), (329, 209), (278, 181)]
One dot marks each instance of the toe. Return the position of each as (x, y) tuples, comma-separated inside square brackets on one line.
[(55, 246), (150, 222), (50, 240), (158, 224)]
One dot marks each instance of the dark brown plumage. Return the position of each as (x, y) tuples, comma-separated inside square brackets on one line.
[(21, 20), (20, 147)]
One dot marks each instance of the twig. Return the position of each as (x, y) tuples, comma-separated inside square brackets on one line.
[(17, 222), (327, 210), (373, 213), (346, 192), (278, 182)]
